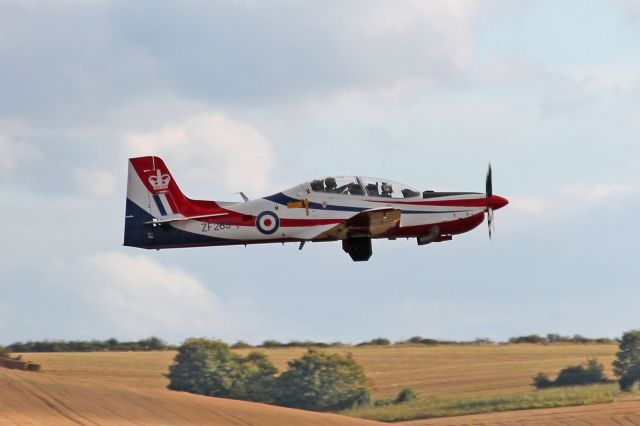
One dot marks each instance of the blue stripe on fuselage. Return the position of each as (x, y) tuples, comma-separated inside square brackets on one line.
[(284, 199)]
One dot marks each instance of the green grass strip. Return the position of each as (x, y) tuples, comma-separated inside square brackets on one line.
[(431, 407)]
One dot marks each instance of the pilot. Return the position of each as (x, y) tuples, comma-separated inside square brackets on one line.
[(317, 185), (331, 184), (387, 189)]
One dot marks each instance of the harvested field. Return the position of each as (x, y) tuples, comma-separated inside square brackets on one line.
[(120, 388), (47, 399), (460, 371), (621, 413)]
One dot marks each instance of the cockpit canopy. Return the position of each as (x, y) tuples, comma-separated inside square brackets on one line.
[(354, 185)]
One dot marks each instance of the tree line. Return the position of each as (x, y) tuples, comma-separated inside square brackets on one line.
[(157, 344), (148, 344)]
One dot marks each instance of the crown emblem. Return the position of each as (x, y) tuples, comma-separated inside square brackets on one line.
[(159, 181)]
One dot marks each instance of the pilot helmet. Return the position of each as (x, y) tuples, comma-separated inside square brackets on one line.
[(330, 183), (387, 188)]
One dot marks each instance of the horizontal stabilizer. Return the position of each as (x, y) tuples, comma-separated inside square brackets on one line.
[(180, 218)]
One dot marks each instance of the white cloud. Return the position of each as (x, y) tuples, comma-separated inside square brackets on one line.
[(601, 193), (529, 204), (631, 7), (95, 182), (138, 296), (566, 203), (209, 150), (14, 157)]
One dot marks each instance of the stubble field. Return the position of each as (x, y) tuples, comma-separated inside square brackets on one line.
[(112, 387)]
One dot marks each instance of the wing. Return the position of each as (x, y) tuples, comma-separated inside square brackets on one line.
[(369, 223)]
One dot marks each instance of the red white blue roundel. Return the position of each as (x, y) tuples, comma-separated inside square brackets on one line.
[(267, 222)]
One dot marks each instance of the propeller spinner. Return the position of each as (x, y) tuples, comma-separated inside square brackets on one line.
[(494, 202)]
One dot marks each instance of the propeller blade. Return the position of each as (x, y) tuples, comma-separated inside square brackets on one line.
[(490, 222), (489, 183)]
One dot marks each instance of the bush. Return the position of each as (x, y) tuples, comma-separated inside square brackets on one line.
[(323, 382), (579, 375), (574, 375), (241, 344), (542, 381), (381, 341), (532, 338), (208, 367), (406, 395), (4, 352), (627, 363), (418, 340)]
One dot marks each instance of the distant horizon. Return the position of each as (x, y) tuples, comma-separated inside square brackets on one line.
[(329, 343)]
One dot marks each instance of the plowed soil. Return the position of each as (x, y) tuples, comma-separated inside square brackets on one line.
[(621, 413), (45, 399)]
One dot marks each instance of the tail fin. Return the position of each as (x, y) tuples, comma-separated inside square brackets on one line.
[(151, 186), (153, 194)]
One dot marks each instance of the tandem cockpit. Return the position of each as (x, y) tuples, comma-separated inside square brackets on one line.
[(363, 186)]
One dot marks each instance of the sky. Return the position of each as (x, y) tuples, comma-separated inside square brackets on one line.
[(258, 96)]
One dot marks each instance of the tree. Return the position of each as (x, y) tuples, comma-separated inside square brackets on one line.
[(254, 378), (323, 382), (202, 366), (152, 344), (208, 367), (627, 363)]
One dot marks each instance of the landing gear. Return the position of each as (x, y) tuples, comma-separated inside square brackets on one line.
[(359, 248)]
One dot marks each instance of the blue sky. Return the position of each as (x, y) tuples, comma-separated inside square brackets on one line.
[(257, 96)]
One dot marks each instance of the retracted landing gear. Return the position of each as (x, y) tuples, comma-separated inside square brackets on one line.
[(359, 248)]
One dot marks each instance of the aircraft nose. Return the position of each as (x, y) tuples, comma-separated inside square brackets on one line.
[(497, 202)]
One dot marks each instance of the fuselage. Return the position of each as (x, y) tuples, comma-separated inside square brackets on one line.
[(302, 213)]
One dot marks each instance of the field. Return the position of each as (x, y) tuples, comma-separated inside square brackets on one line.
[(461, 371), (107, 388), (52, 399)]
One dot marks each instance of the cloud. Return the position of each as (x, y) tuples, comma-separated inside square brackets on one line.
[(529, 204), (631, 7), (568, 203), (209, 151), (95, 182), (138, 296), (228, 51), (601, 192), (106, 53), (14, 157)]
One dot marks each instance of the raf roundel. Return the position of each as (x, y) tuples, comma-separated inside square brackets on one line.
[(267, 222)]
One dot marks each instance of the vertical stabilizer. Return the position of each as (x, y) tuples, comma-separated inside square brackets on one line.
[(152, 193)]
